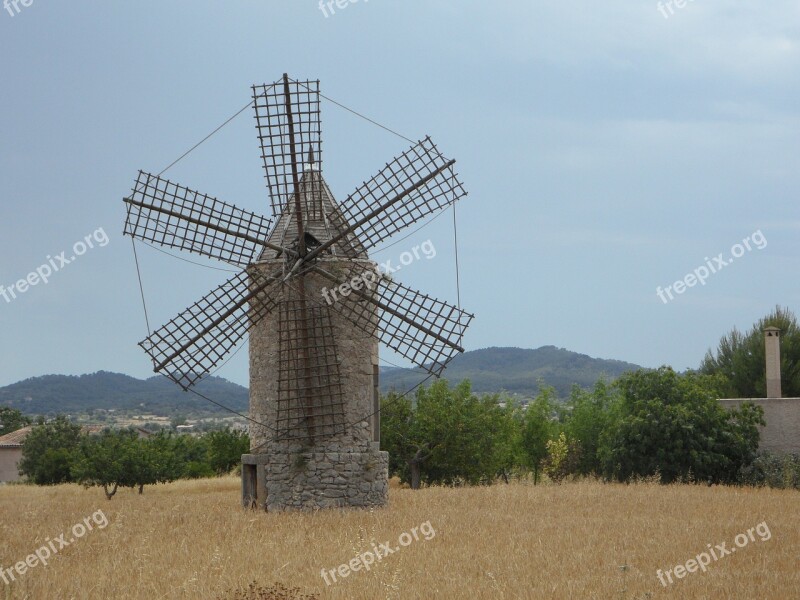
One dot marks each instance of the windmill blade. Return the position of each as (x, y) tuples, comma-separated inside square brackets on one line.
[(190, 345), (284, 108), (426, 331), (416, 184), (311, 402), (174, 216)]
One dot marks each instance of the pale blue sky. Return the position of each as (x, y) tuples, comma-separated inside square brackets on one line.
[(607, 151)]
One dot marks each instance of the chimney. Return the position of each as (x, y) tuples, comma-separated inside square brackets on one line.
[(772, 341)]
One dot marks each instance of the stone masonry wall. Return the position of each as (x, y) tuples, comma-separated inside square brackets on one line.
[(344, 470)]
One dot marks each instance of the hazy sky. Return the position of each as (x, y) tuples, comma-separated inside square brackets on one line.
[(609, 148)]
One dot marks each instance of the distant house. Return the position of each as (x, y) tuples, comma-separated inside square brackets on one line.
[(11, 454)]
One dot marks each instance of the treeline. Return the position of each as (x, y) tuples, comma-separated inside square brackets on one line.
[(649, 423), (57, 452)]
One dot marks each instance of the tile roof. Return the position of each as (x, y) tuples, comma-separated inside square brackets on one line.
[(15, 438)]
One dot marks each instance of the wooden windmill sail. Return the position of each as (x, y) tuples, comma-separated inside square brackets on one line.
[(306, 392)]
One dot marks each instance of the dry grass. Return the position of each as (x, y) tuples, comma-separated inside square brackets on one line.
[(583, 540)]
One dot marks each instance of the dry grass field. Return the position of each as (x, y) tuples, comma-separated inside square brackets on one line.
[(580, 540)]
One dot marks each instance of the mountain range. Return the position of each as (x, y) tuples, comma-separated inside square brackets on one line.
[(515, 371), (71, 394)]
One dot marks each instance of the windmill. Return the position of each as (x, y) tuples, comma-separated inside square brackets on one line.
[(313, 361)]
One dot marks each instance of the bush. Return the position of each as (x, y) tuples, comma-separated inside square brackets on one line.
[(48, 450), (780, 471), (563, 458), (225, 449), (673, 424)]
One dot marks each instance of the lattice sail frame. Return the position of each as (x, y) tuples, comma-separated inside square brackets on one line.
[(400, 179), (425, 330), (272, 124), (310, 397), (171, 215), (189, 346), (414, 185)]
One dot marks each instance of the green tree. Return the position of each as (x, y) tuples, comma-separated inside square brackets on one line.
[(447, 435), (47, 452), (107, 460), (168, 455), (190, 456), (539, 426), (562, 459), (397, 417), (225, 449), (121, 459), (11, 420), (506, 431), (673, 425), (588, 415), (740, 358)]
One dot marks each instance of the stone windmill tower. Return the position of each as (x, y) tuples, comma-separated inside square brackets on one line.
[(314, 303)]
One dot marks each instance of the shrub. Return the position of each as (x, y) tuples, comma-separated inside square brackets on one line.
[(563, 458), (780, 471)]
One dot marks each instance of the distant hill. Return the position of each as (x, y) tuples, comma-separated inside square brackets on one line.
[(515, 370), (70, 394)]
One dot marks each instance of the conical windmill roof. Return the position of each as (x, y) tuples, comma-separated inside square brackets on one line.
[(322, 218)]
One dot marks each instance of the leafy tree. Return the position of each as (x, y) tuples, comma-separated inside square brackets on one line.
[(11, 420), (397, 414), (506, 430), (116, 459), (672, 425), (225, 449), (448, 435), (169, 455), (108, 460), (589, 414), (47, 452), (562, 458), (539, 427), (740, 358), (473, 449), (411, 433), (190, 456)]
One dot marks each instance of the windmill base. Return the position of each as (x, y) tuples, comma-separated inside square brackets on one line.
[(311, 480)]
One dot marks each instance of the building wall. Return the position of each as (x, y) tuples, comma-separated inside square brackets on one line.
[(357, 357), (347, 469), (782, 432), (9, 457)]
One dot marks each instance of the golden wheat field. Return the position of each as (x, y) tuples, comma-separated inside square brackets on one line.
[(577, 540)]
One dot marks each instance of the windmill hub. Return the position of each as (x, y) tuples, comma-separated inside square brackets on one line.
[(314, 406)]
